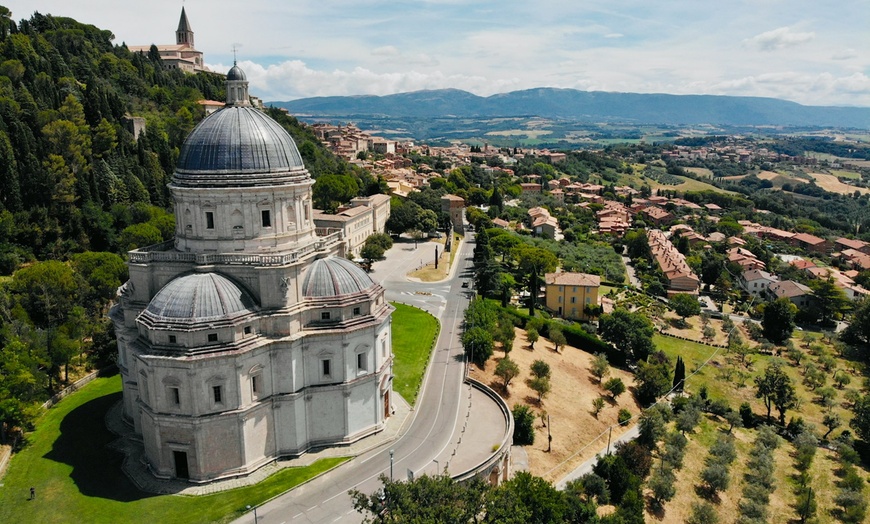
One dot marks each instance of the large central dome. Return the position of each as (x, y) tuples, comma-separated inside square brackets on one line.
[(236, 143)]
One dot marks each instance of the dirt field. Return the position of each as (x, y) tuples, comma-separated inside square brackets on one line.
[(577, 434), (832, 184)]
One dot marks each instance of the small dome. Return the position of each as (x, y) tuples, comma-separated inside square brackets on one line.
[(334, 276), (236, 73), (231, 145), (199, 297)]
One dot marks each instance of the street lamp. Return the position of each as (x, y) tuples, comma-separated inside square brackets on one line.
[(437, 465), (391, 465), (255, 512)]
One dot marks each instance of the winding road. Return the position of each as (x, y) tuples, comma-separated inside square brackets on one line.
[(433, 419)]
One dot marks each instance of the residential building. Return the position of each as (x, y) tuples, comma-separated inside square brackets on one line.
[(811, 243), (756, 281), (799, 294), (679, 276), (542, 223), (568, 294), (844, 244), (657, 215)]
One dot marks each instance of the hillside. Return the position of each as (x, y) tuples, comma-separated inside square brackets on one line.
[(587, 105), (72, 176)]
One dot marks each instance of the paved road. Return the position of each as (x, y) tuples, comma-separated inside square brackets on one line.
[(325, 499), (629, 270), (587, 466)]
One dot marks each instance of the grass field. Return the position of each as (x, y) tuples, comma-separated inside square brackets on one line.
[(701, 171), (414, 332), (77, 479), (687, 184), (854, 175)]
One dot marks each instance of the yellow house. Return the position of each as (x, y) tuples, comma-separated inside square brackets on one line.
[(568, 294)]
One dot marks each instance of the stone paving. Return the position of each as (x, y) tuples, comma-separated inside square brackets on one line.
[(137, 470)]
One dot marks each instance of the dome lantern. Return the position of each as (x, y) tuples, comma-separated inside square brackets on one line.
[(237, 87)]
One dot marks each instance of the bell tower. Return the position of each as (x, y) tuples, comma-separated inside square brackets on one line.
[(184, 34)]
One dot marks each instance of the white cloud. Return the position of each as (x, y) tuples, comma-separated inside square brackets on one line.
[(779, 38), (348, 47), (294, 79), (814, 89)]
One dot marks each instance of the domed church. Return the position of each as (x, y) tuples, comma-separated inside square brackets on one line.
[(250, 336)]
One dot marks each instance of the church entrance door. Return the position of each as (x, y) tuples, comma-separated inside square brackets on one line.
[(387, 404), (181, 471)]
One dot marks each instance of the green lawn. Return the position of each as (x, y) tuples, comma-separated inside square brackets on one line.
[(846, 174), (414, 332), (694, 354), (78, 479)]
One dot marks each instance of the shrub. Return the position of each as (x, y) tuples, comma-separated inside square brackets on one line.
[(716, 477), (723, 450), (688, 419), (805, 450), (524, 426), (624, 416), (747, 415), (637, 457), (853, 505), (661, 482), (768, 438), (541, 369), (597, 406), (615, 387), (703, 513)]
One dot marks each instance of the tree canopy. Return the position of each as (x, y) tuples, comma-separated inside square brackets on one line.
[(778, 321), (630, 332)]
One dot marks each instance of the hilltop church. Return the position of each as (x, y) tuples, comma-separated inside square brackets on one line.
[(249, 336), (181, 55)]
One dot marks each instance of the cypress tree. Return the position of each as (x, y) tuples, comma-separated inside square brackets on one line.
[(679, 374)]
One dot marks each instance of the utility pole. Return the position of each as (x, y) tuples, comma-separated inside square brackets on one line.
[(549, 436)]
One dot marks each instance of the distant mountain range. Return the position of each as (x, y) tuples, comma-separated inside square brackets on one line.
[(594, 106)]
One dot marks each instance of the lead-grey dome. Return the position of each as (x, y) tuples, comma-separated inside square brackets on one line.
[(238, 146), (334, 276), (199, 297), (236, 73)]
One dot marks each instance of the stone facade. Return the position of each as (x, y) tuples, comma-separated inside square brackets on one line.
[(249, 337)]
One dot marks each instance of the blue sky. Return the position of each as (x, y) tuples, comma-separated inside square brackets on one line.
[(811, 52)]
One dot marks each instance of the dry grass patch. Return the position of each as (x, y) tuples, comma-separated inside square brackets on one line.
[(833, 184), (577, 434), (428, 272)]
